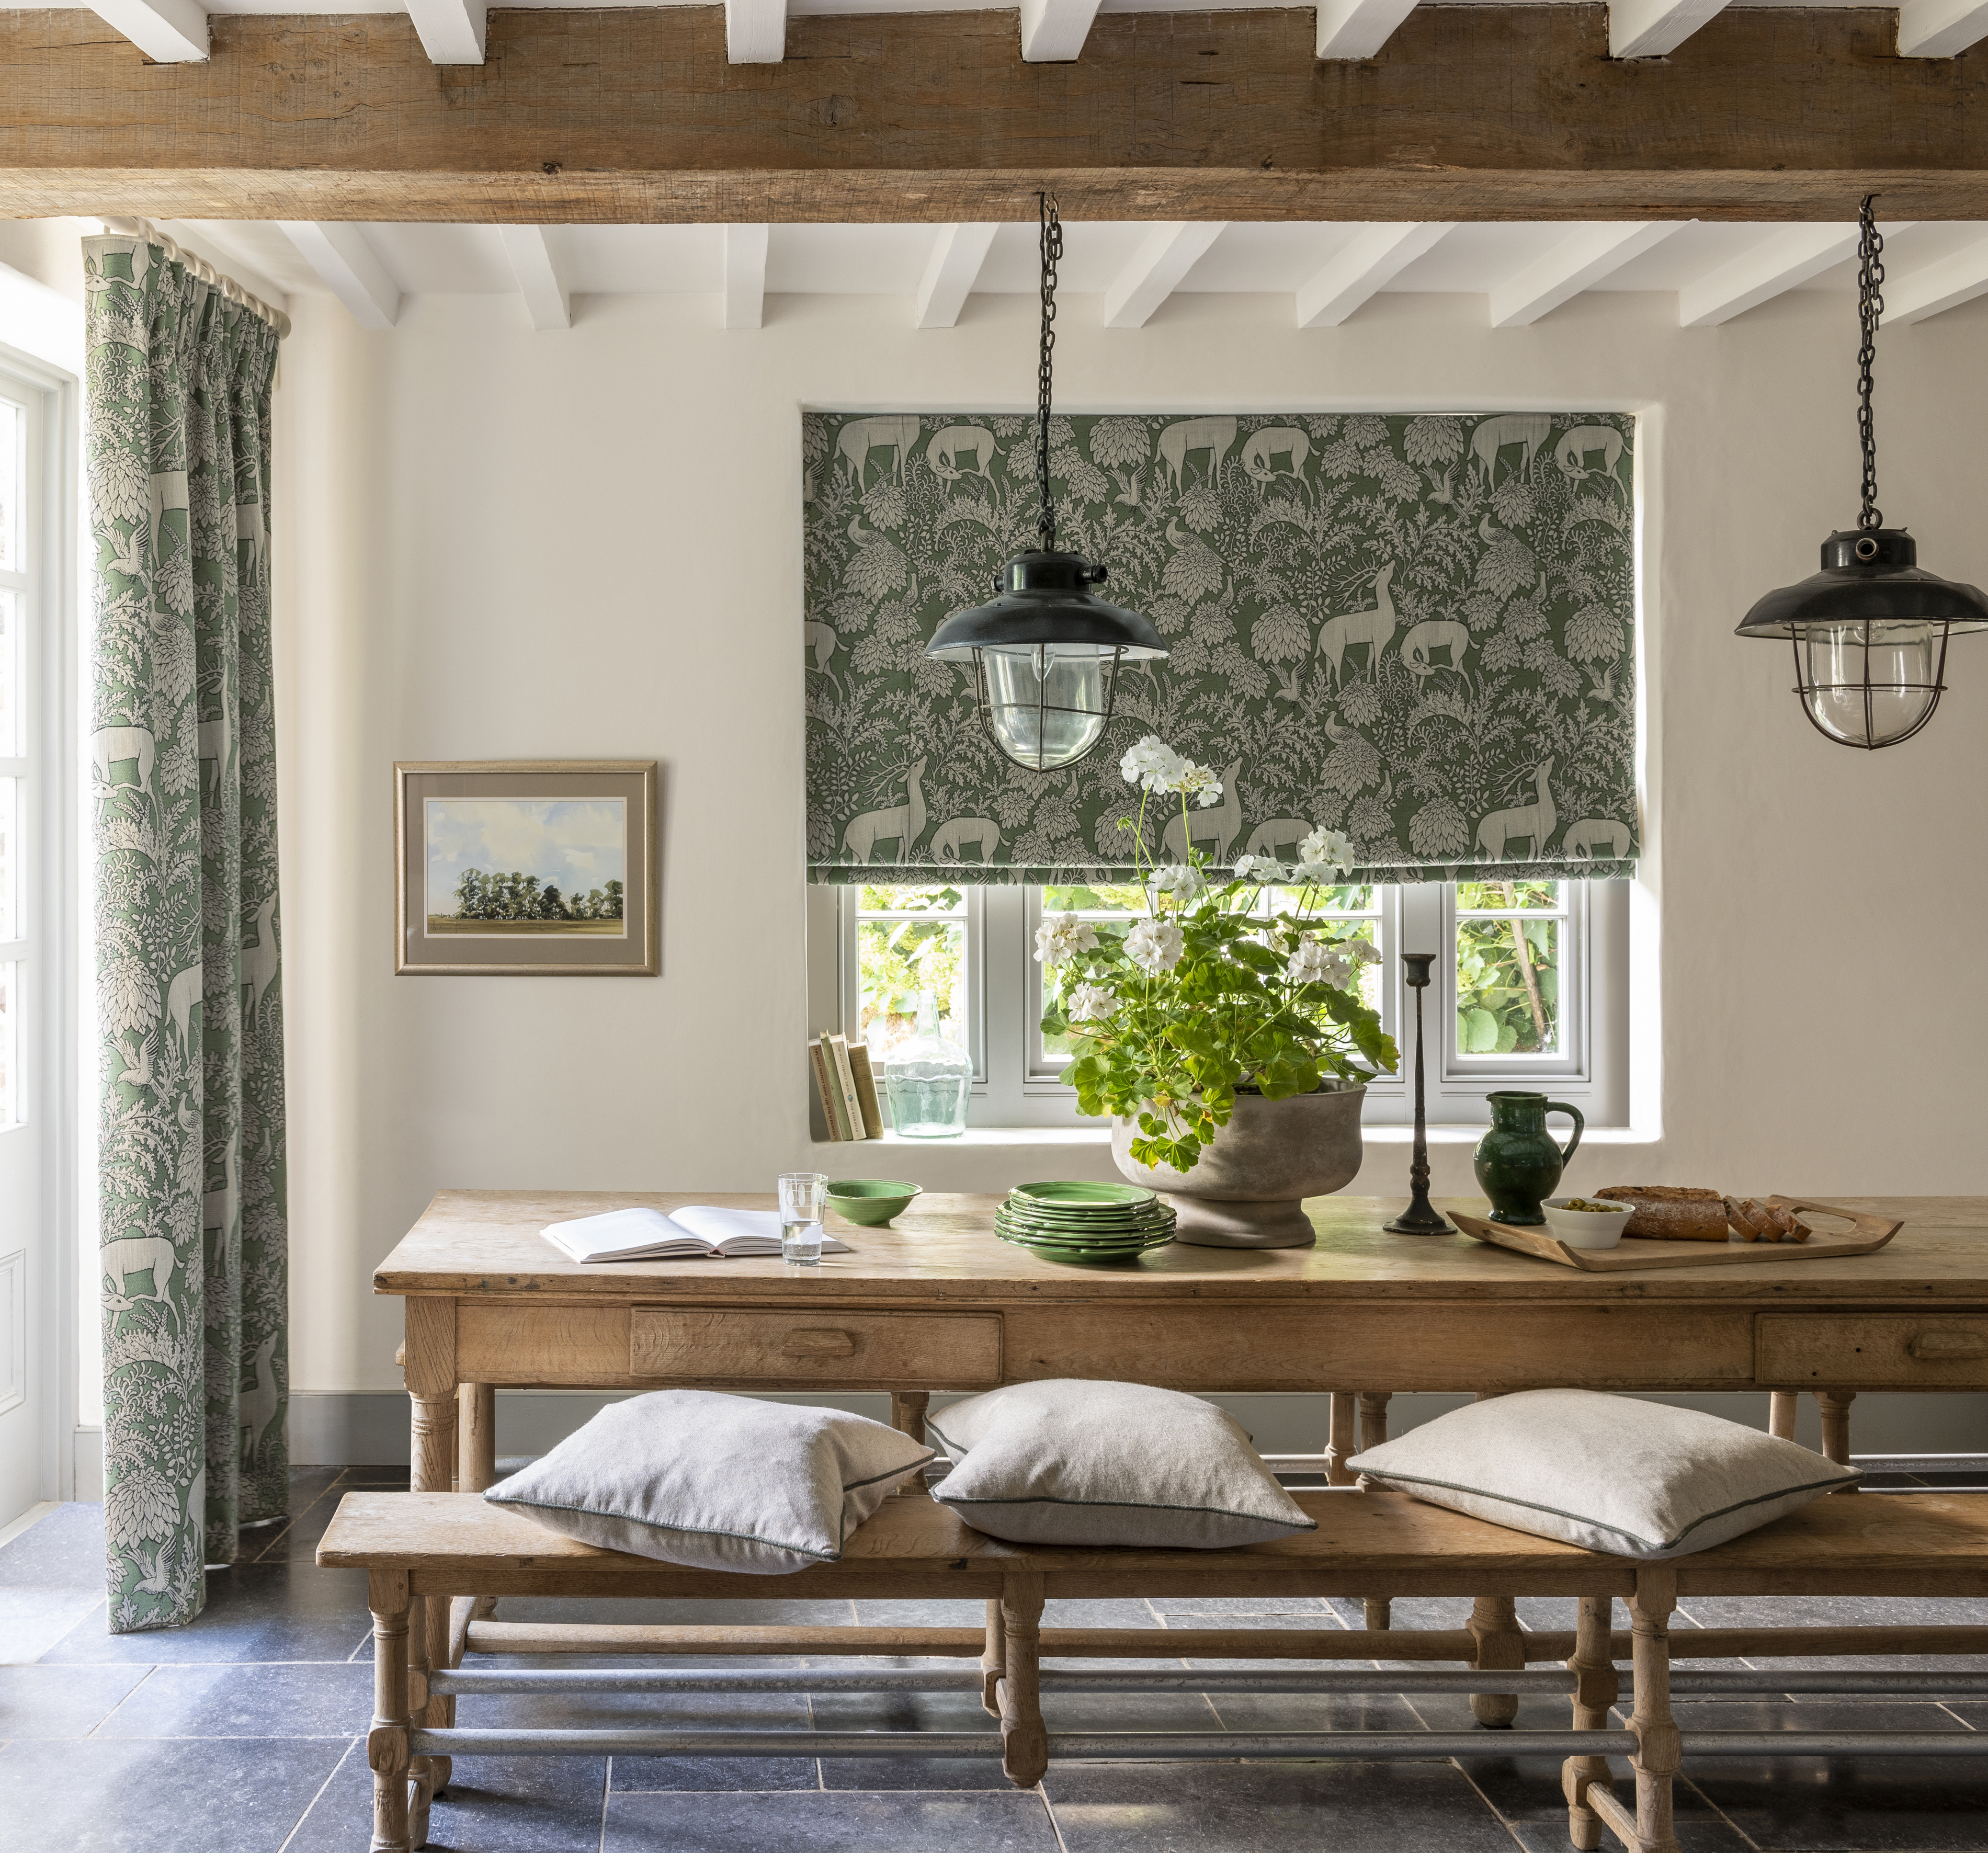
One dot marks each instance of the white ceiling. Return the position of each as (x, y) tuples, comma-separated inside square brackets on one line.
[(890, 260)]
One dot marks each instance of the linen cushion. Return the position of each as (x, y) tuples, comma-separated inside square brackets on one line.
[(1638, 1480), (719, 1483), (1071, 1462)]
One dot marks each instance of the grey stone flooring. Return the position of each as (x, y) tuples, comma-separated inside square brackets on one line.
[(243, 1734)]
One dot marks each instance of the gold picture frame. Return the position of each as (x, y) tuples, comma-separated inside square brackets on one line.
[(582, 896)]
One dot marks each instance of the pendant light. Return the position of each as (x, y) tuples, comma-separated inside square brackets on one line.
[(1870, 630), (1046, 652)]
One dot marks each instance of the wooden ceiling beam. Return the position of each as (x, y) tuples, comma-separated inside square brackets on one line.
[(745, 287), (951, 272), (548, 300), (636, 115), (1377, 254)]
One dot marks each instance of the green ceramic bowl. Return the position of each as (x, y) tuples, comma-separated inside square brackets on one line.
[(871, 1201)]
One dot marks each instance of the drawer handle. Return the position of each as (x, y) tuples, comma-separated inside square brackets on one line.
[(1938, 1347), (818, 1341)]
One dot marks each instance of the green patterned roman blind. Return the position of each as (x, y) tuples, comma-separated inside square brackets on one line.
[(1416, 630)]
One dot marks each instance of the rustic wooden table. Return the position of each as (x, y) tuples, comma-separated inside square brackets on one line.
[(936, 1302)]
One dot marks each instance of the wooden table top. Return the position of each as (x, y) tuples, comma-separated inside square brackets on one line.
[(943, 1249)]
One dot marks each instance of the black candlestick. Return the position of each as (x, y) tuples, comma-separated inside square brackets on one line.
[(1420, 1218)]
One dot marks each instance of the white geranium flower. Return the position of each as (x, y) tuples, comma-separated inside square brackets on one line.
[(1314, 963), (1181, 880), (1199, 783), (1152, 763), (1091, 1003), (1360, 951), (1155, 945), (1057, 940), (1329, 851), (1265, 869)]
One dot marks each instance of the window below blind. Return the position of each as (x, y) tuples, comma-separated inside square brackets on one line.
[(1418, 629), (1552, 1016)]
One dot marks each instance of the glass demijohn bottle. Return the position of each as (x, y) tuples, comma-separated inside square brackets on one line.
[(927, 1080)]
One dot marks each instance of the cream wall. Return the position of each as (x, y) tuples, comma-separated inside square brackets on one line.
[(494, 543)]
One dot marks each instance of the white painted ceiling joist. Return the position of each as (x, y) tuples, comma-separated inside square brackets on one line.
[(756, 32), (1940, 28), (957, 254), (1938, 288), (1165, 256), (1365, 267), (450, 31), (547, 299), (348, 267), (744, 275), (167, 31), (1054, 31), (1577, 262), (1785, 261), (1358, 29), (1654, 28)]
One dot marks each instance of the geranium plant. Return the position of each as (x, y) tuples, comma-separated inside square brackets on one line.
[(1206, 997)]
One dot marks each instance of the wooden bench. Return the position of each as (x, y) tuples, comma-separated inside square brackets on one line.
[(429, 1555)]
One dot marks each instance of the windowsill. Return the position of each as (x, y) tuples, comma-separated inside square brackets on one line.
[(1099, 1136)]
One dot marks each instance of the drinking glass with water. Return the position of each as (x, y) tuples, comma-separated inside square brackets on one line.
[(803, 1197)]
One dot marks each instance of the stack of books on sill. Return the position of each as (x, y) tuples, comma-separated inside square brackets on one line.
[(847, 1087)]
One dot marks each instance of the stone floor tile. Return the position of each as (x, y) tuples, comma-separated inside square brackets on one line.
[(297, 1700), (909, 1712), (1849, 1612), (46, 1702), (1703, 1834), (495, 1804), (723, 1773), (255, 1611), (665, 1611), (1313, 1712), (32, 1621), (634, 1711), (827, 1822), (1183, 1610), (1263, 1807), (108, 1795), (63, 1550)]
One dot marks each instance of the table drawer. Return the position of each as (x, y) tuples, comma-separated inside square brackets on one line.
[(1850, 1350), (879, 1351)]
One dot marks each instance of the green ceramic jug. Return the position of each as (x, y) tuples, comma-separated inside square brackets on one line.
[(1517, 1162)]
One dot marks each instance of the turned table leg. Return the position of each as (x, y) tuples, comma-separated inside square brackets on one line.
[(431, 1371), (1340, 1445), (1658, 1750), (1835, 1407), (1593, 1698), (1782, 1407), (1025, 1743), (476, 1437), (993, 1657), (907, 1417), (386, 1743), (1372, 1432)]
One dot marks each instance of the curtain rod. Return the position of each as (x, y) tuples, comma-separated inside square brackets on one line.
[(232, 290)]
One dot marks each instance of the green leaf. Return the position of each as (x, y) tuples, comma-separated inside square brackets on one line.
[(1477, 1032), (1508, 1039)]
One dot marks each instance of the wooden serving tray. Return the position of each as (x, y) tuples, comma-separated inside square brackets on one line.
[(1864, 1234)]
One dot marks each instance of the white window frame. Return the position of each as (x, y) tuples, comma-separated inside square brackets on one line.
[(1017, 1084)]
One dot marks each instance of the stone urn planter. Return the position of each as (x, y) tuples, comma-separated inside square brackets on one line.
[(1248, 1188)]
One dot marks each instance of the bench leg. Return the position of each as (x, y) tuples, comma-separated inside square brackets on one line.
[(1658, 1752), (1782, 1407), (1024, 1738), (1835, 1407), (1494, 1625), (429, 1627), (1593, 1697), (1340, 1445), (993, 1656), (1372, 1432), (386, 1742)]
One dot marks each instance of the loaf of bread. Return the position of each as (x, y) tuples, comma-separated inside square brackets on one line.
[(1671, 1212)]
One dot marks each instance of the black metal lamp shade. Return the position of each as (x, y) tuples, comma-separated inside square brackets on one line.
[(1870, 632), (1046, 652)]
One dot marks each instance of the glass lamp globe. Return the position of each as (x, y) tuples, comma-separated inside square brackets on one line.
[(1870, 632), (1047, 654)]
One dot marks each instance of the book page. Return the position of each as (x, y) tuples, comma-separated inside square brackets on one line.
[(617, 1233)]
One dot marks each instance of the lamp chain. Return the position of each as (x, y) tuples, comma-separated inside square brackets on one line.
[(1870, 311), (1051, 246)]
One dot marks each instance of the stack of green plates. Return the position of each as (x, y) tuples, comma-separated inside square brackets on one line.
[(1084, 1221)]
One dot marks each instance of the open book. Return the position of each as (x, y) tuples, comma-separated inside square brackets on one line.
[(698, 1228)]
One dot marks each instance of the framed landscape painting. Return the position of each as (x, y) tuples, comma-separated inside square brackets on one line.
[(526, 867)]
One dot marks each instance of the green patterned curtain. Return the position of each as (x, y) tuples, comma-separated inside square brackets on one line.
[(194, 1244), (1416, 630)]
